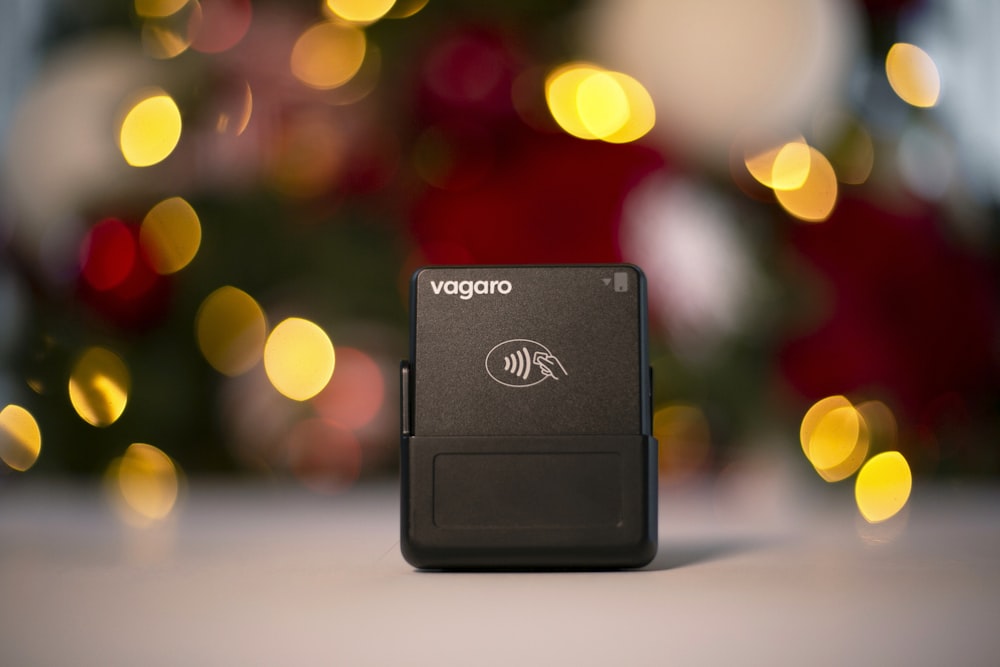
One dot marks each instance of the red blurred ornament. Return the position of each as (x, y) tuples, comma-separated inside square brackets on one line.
[(117, 279), (108, 255)]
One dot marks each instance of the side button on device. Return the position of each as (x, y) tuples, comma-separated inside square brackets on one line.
[(404, 399)]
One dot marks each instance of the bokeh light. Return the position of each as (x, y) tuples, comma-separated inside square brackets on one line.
[(150, 130), (883, 486), (328, 54), (641, 111), (20, 438), (231, 329), (560, 95), (107, 254), (171, 235), (835, 438), (815, 199), (356, 391), (299, 358), (913, 75), (589, 102), (403, 9), (143, 484), (759, 158), (360, 11), (791, 166), (99, 386), (601, 104)]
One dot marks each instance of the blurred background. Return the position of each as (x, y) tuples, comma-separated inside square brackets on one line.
[(210, 210)]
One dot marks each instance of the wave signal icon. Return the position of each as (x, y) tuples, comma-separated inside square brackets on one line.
[(518, 363), (523, 363)]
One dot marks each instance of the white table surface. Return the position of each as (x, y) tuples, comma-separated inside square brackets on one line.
[(754, 568)]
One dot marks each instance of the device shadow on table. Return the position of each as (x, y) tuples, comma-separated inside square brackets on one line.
[(671, 555)]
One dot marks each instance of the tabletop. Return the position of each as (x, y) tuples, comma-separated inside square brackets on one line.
[(753, 568)]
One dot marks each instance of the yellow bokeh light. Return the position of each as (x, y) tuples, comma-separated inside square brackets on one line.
[(913, 75), (158, 8), (299, 358), (883, 486), (759, 158), (20, 438), (591, 103), (835, 438), (601, 104), (231, 330), (360, 11), (814, 415), (641, 111), (839, 444), (403, 9), (815, 199), (328, 54), (171, 235), (791, 166), (143, 483), (98, 386), (150, 130), (561, 88)]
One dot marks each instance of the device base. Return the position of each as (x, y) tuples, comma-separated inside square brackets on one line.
[(503, 502)]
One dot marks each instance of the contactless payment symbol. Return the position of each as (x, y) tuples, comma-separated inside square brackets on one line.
[(523, 363)]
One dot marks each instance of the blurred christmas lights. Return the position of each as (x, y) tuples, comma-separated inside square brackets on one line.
[(883, 486), (20, 438), (299, 358), (231, 330), (834, 438), (171, 235), (142, 484), (592, 103), (360, 11), (328, 54), (150, 130), (99, 385), (913, 75)]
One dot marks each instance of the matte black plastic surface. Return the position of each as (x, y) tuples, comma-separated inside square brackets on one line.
[(526, 419), (529, 501)]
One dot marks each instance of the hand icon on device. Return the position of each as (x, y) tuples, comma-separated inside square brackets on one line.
[(545, 363)]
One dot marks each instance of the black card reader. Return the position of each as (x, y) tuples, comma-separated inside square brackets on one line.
[(526, 412)]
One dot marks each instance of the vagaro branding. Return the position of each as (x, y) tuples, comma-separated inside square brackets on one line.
[(523, 363), (466, 289)]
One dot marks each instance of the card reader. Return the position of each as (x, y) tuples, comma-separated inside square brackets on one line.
[(526, 413)]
